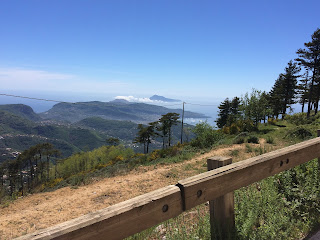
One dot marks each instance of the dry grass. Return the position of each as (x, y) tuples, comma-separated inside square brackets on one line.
[(43, 210)]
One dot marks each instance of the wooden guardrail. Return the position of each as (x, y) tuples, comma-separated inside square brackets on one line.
[(142, 212)]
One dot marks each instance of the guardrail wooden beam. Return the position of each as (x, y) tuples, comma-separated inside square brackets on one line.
[(120, 220), (213, 184)]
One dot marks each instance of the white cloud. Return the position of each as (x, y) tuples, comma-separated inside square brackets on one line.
[(135, 99)]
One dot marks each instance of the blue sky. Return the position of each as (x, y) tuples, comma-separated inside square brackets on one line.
[(202, 50)]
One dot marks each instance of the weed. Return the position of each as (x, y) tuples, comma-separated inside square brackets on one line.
[(188, 167), (249, 149), (269, 140), (259, 151), (234, 153)]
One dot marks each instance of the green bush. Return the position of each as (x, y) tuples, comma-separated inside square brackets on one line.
[(253, 139), (298, 119), (234, 153), (249, 149), (247, 125), (272, 121), (301, 133), (269, 139), (240, 138), (206, 136), (234, 128)]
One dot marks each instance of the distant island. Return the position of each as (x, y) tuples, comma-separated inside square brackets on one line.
[(163, 99)]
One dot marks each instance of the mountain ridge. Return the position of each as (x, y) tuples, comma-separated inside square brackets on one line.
[(114, 110), (22, 110)]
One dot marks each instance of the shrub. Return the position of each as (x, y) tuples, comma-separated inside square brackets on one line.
[(253, 139), (154, 155), (52, 183), (272, 121), (77, 179), (206, 136), (234, 128), (118, 158), (240, 138), (269, 139), (298, 119), (226, 130), (240, 126), (249, 149), (248, 126), (100, 166), (301, 133), (234, 153)]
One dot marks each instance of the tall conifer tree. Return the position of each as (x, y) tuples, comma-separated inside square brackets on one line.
[(309, 57)]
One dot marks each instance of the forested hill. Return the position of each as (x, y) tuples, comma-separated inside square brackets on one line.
[(21, 128), (21, 110), (136, 112)]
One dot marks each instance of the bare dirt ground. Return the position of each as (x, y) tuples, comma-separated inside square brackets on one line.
[(43, 210)]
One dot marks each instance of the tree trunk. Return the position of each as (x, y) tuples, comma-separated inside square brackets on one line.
[(21, 181), (48, 162), (31, 170), (317, 100), (148, 145), (311, 93), (163, 142)]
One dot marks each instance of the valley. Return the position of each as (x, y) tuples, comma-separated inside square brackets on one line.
[(78, 127)]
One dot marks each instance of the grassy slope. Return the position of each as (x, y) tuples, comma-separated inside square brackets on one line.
[(262, 212)]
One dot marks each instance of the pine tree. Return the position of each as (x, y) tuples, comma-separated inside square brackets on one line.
[(276, 97), (166, 122), (142, 137), (303, 90), (234, 106), (145, 135), (224, 112), (283, 92), (264, 102), (290, 81), (309, 57)]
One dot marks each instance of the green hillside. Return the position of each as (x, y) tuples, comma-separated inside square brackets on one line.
[(18, 133), (21, 110), (124, 130), (136, 112), (11, 123), (20, 128)]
